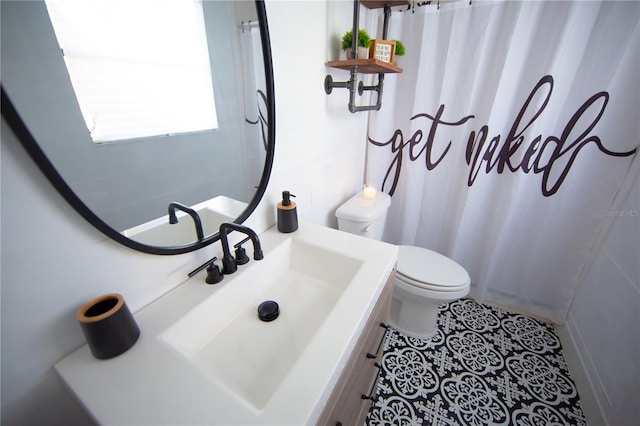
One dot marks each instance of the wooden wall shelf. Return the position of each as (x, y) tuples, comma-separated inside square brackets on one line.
[(366, 66)]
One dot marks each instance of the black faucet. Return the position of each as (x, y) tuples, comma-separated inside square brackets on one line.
[(191, 212), (229, 265)]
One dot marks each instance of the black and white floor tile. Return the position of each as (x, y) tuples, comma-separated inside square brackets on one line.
[(485, 366)]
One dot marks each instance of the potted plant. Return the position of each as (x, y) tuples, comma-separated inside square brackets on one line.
[(364, 41), (400, 51)]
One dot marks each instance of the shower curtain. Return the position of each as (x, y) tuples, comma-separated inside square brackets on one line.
[(508, 141), (255, 112)]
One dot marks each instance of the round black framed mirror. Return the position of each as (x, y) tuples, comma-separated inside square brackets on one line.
[(227, 167)]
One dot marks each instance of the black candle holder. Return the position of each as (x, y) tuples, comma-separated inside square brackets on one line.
[(108, 326)]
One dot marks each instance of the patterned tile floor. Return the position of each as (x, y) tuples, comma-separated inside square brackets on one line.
[(485, 366)]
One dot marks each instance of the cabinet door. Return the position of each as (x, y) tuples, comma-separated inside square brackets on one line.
[(348, 404)]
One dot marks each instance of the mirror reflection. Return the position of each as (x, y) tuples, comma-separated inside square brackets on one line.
[(129, 181)]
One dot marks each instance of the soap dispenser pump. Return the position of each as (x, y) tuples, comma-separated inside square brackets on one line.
[(287, 213)]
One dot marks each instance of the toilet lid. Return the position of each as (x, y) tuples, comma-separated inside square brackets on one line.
[(423, 266)]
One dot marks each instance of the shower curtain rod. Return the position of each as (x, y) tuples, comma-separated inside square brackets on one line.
[(415, 3)]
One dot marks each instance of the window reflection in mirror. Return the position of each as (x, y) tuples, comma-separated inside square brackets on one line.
[(131, 83)]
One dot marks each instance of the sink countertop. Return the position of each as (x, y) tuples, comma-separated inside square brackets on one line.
[(152, 384)]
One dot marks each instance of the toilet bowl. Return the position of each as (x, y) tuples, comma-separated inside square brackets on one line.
[(424, 278)]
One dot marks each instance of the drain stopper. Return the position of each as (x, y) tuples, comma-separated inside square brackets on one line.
[(268, 310)]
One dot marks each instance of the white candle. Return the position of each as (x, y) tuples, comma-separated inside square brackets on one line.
[(369, 192)]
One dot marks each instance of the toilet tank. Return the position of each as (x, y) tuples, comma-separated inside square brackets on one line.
[(365, 217)]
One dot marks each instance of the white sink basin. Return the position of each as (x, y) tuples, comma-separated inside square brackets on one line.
[(224, 338)]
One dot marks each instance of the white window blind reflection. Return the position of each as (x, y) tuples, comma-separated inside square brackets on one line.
[(139, 67)]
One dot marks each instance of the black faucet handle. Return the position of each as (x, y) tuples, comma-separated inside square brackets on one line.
[(241, 256), (241, 253), (201, 267)]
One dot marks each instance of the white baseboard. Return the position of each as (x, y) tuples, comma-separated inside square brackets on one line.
[(580, 367)]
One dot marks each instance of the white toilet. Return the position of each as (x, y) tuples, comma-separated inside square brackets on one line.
[(424, 279)]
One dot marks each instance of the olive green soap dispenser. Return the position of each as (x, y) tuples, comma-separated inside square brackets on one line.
[(287, 213)]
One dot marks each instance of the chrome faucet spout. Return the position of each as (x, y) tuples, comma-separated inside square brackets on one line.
[(229, 265), (173, 219)]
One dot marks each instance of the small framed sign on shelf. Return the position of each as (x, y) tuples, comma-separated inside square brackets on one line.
[(383, 50)]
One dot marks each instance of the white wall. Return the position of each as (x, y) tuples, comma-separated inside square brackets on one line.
[(601, 337), (53, 261)]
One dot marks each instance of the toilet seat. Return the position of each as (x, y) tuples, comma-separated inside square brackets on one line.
[(427, 286), (429, 270)]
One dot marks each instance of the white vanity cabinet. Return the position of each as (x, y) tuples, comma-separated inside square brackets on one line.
[(351, 398), (164, 379)]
